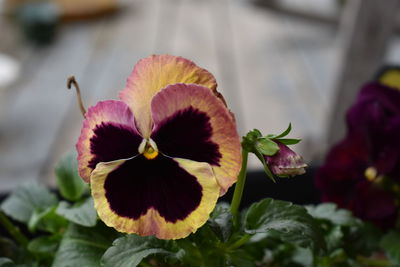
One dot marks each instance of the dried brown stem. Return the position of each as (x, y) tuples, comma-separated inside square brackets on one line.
[(72, 81)]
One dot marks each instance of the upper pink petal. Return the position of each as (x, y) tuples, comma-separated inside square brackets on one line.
[(152, 74)]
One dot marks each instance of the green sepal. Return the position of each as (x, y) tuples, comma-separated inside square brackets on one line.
[(249, 140), (266, 146), (281, 135), (249, 143), (266, 167), (288, 141)]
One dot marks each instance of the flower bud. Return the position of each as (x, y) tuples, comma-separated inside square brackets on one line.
[(285, 162)]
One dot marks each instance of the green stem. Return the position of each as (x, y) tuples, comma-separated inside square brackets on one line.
[(240, 242), (237, 194), (13, 230)]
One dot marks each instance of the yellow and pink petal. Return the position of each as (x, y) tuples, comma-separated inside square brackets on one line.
[(150, 75), (165, 197), (108, 134), (191, 122)]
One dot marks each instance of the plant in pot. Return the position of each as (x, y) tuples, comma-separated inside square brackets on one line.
[(156, 162)]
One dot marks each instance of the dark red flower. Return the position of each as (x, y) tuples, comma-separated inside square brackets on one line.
[(375, 117), (342, 180), (359, 171)]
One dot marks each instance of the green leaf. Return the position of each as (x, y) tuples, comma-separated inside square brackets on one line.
[(362, 238), (288, 141), (5, 262), (82, 213), (44, 244), (130, 250), (284, 133), (290, 222), (330, 212), (335, 237), (303, 256), (27, 198), (47, 220), (391, 245), (266, 146), (220, 221), (84, 246), (70, 184)]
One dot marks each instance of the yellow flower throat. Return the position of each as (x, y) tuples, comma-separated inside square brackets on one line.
[(150, 153), (149, 149)]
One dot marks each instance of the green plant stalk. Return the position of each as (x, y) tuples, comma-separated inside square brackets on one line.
[(13, 230), (240, 242), (239, 187)]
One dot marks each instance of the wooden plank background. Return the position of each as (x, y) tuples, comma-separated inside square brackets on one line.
[(271, 68)]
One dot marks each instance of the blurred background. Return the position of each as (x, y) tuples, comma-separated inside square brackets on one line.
[(298, 61)]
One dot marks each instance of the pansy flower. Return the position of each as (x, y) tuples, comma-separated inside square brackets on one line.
[(158, 159), (347, 179), (375, 118), (361, 171)]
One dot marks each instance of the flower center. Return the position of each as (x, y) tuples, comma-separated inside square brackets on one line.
[(370, 173), (148, 148)]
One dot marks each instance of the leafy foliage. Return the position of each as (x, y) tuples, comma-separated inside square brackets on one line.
[(330, 212), (290, 222), (130, 250), (5, 262), (269, 233), (348, 239), (391, 245), (66, 232), (221, 222), (47, 220), (82, 212), (69, 182), (27, 200), (83, 246)]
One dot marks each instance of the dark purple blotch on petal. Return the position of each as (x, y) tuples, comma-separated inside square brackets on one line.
[(112, 141), (140, 184), (187, 134)]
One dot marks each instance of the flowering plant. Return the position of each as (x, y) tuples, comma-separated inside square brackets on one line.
[(143, 189)]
